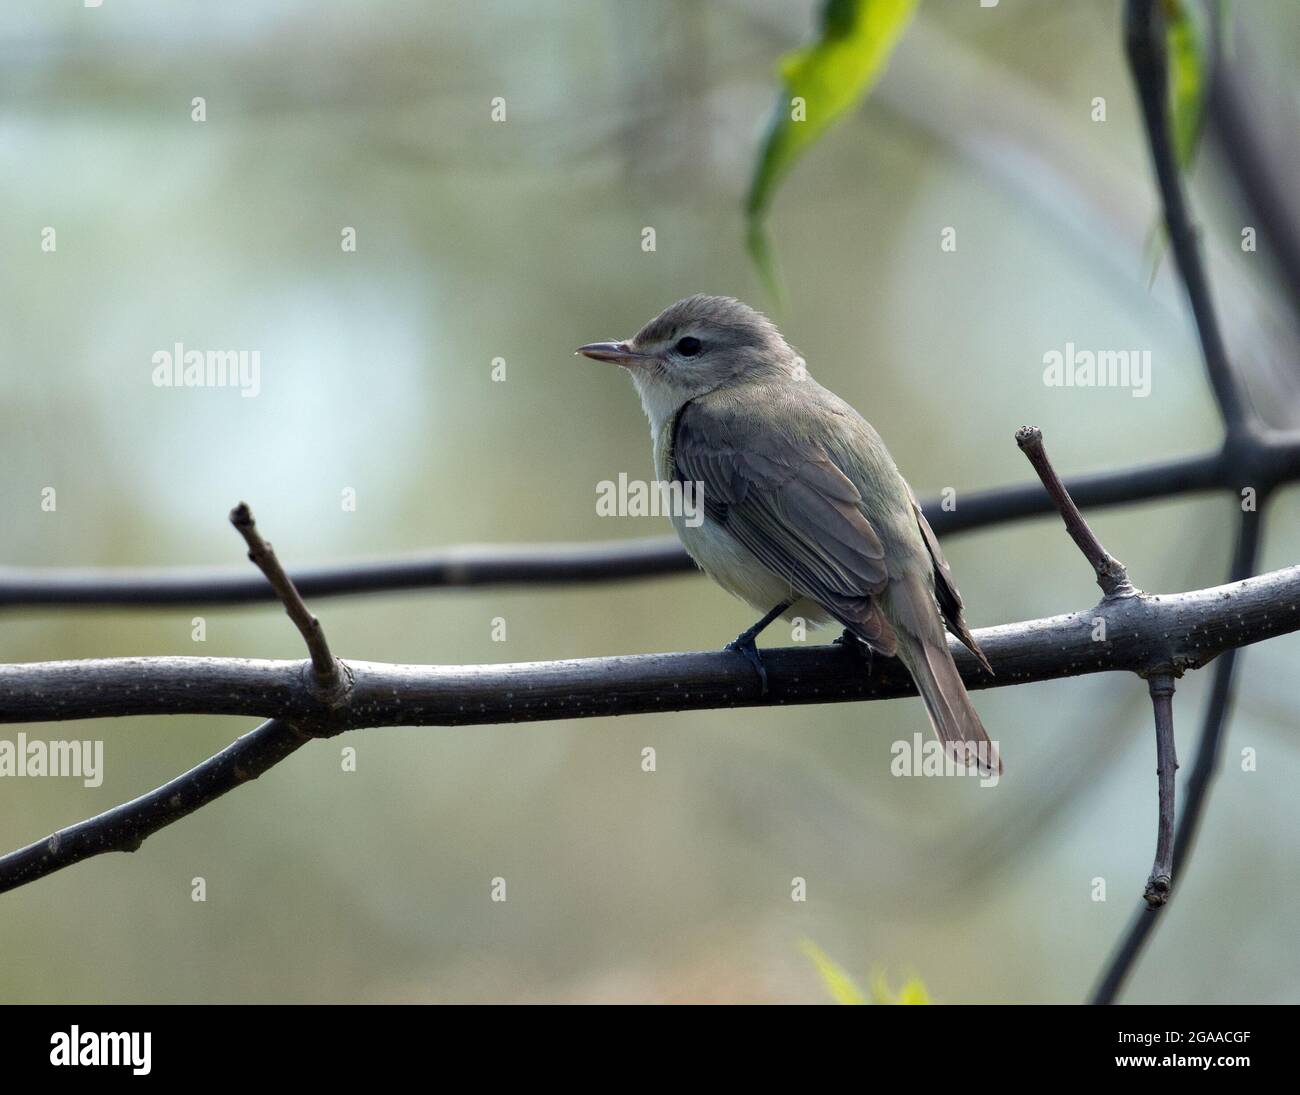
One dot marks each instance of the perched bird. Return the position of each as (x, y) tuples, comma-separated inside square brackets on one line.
[(805, 513)]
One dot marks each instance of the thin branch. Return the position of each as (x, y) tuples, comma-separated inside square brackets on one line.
[(1161, 880), (1181, 475), (1111, 575), (1259, 458), (445, 568), (324, 668), (1145, 919), (1144, 34), (1274, 456), (124, 828)]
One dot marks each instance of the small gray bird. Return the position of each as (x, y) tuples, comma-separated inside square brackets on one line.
[(805, 512)]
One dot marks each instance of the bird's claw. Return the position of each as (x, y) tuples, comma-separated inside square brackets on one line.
[(748, 649), (855, 646)]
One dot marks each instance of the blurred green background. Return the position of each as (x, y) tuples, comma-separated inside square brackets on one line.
[(521, 240)]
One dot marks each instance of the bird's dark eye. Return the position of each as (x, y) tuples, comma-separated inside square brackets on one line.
[(688, 346)]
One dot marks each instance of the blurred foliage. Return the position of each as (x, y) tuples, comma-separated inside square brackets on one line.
[(844, 990), (828, 78), (839, 984), (1189, 75), (911, 991)]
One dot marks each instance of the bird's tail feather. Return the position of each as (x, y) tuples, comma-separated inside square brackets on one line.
[(953, 716)]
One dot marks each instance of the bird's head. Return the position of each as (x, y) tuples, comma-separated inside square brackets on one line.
[(695, 346)]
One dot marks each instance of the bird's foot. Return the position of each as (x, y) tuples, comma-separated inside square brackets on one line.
[(745, 646), (855, 646)]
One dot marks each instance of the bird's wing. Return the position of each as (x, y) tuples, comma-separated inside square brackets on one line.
[(788, 502), (945, 589)]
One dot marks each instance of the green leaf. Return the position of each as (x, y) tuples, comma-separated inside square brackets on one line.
[(822, 82), (838, 983), (1188, 78), (1187, 45)]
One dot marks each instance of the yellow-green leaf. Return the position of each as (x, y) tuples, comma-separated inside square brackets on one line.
[(822, 82), (912, 991), (838, 983), (1186, 44), (1188, 78)]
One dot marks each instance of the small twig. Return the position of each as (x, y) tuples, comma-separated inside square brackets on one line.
[(324, 668), (1111, 575), (1161, 686)]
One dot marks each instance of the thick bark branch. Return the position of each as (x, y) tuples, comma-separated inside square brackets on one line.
[(1145, 634), (1148, 634)]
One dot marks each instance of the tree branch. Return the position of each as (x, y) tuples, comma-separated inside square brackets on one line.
[(1267, 458), (452, 567), (1144, 36), (1146, 633), (1145, 39), (124, 828)]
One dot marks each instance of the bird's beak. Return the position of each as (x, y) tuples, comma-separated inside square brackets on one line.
[(618, 353)]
